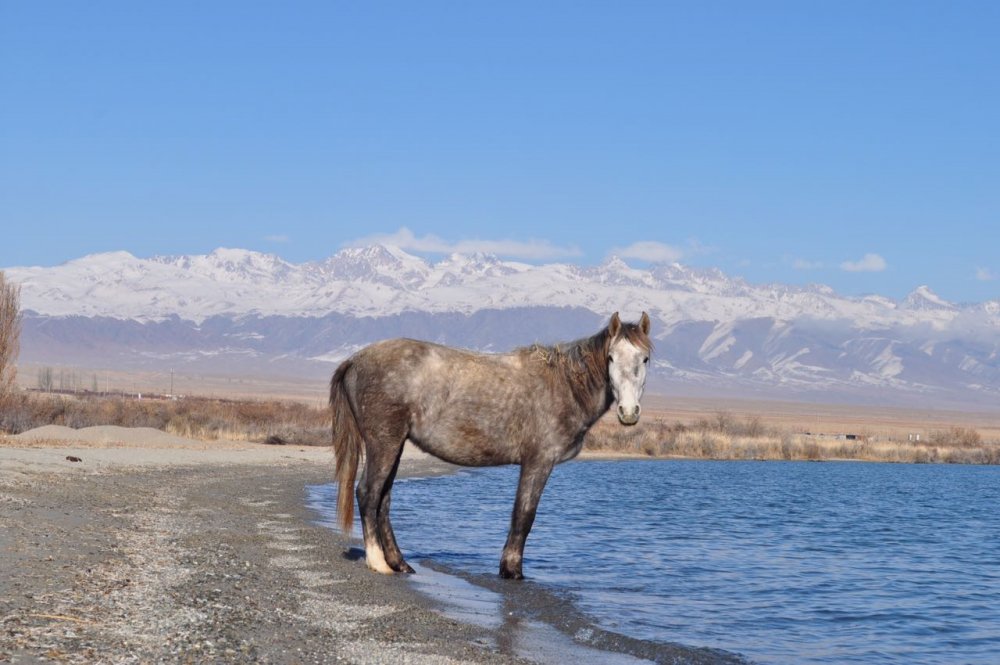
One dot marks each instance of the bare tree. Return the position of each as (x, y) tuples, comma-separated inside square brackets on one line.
[(45, 382), (10, 334)]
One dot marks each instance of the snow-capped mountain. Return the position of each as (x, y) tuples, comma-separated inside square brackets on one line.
[(710, 328), (922, 298)]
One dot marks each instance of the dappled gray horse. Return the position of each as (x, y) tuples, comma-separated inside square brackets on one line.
[(531, 407)]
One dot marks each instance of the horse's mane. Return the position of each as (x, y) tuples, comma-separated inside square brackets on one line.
[(583, 362), (633, 333)]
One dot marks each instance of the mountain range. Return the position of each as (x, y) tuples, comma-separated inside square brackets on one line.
[(243, 312)]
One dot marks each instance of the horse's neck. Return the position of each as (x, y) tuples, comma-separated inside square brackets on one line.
[(587, 375)]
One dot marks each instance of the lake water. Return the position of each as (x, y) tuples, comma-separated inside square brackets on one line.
[(780, 562)]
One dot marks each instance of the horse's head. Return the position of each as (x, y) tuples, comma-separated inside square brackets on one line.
[(628, 356)]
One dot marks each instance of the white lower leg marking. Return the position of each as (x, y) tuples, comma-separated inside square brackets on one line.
[(375, 558)]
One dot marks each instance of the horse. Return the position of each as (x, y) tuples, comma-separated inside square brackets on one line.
[(531, 407)]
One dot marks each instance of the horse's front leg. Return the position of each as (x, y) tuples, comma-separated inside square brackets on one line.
[(534, 475)]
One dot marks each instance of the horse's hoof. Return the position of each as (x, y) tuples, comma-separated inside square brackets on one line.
[(405, 568), (511, 574), (382, 568)]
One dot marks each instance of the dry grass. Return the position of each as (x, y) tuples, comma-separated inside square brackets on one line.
[(202, 418), (725, 437), (718, 436)]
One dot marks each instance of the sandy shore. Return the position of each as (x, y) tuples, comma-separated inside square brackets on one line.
[(157, 550)]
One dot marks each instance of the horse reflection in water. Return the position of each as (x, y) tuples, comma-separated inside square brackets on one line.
[(531, 407)]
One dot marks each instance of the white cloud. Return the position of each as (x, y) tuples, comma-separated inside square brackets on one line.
[(649, 250), (805, 264), (277, 238), (868, 263), (405, 239), (985, 275)]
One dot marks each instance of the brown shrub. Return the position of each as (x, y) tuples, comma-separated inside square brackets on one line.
[(958, 437), (193, 417)]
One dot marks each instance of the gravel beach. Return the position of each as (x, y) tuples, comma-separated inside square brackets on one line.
[(157, 550)]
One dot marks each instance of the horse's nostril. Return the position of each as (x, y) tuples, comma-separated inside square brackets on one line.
[(637, 410), (621, 410)]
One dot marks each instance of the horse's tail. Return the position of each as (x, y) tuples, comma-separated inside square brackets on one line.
[(347, 444)]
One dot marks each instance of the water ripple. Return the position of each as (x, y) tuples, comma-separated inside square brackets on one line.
[(782, 562)]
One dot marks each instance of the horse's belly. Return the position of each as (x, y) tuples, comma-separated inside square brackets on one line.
[(468, 451), (473, 428)]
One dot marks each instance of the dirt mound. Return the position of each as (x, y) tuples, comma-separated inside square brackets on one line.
[(107, 435)]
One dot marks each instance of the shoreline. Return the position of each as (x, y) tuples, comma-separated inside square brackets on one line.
[(209, 552)]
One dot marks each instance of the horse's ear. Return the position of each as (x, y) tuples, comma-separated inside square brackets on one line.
[(644, 324), (615, 326)]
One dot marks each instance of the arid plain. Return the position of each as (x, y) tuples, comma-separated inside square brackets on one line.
[(740, 417)]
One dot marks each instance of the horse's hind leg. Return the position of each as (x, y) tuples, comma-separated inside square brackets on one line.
[(382, 457), (393, 556)]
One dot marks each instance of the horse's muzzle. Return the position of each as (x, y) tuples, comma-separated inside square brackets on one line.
[(628, 416)]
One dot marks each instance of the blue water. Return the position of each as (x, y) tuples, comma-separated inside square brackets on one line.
[(781, 562)]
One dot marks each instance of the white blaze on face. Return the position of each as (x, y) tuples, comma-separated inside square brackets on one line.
[(627, 367)]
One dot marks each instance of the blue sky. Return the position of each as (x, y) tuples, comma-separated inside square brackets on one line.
[(855, 144)]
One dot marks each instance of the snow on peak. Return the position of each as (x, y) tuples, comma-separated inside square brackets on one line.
[(377, 257), (922, 298), (615, 262), (230, 265), (382, 264), (103, 258), (457, 267)]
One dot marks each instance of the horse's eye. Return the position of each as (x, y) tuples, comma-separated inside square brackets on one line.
[(611, 359), (645, 360)]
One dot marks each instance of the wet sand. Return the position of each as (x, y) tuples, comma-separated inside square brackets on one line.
[(192, 552)]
